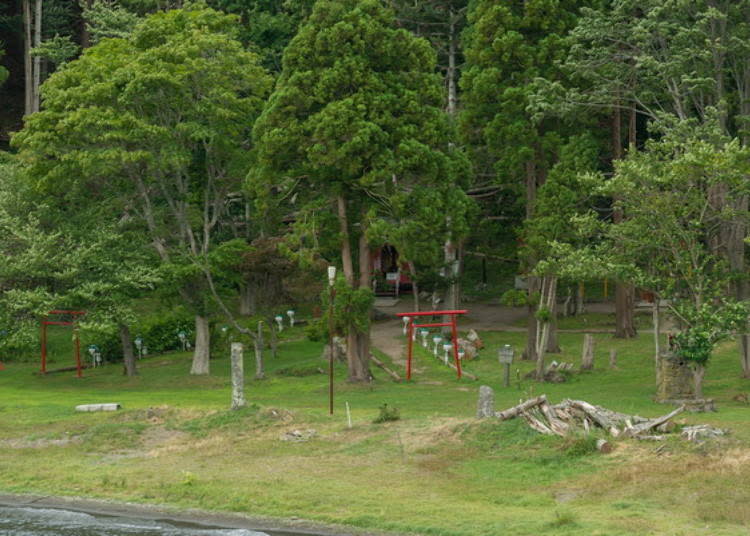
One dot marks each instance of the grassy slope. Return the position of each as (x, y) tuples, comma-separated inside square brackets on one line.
[(434, 472)]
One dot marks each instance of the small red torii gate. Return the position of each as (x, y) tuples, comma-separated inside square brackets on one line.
[(76, 342), (454, 333)]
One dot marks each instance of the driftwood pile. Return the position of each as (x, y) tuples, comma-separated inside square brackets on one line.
[(570, 415)]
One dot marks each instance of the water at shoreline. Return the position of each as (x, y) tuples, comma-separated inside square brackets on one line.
[(23, 521)]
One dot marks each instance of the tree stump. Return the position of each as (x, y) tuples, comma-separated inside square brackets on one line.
[(486, 404), (238, 377), (587, 357), (675, 379)]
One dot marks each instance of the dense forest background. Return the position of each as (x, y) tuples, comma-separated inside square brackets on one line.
[(533, 134)]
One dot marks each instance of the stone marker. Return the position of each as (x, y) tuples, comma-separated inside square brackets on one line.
[(238, 377), (99, 407), (486, 405)]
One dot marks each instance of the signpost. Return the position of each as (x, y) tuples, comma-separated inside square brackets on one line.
[(505, 357)]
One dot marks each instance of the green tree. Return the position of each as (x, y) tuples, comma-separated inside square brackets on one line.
[(668, 243), (58, 258), (355, 119), (268, 25), (508, 45), (660, 61), (161, 122)]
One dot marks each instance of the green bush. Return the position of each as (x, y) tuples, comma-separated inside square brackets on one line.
[(317, 330), (387, 414), (159, 332)]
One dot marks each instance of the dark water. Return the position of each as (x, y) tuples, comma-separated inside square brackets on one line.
[(52, 522)]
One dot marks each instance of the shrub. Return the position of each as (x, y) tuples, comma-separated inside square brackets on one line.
[(159, 332), (387, 414)]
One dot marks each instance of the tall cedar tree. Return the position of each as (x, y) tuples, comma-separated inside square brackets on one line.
[(507, 46), (355, 120)]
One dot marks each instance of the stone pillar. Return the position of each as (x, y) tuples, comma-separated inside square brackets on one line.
[(486, 405), (238, 377)]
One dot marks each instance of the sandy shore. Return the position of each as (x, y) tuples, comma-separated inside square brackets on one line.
[(204, 519)]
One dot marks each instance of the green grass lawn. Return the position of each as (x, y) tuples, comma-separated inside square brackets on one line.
[(436, 471)]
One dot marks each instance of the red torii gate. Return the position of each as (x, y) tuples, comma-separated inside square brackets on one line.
[(76, 343), (454, 333)]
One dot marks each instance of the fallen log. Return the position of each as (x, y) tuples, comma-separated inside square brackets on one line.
[(557, 425), (515, 411), (388, 371), (536, 424), (642, 428)]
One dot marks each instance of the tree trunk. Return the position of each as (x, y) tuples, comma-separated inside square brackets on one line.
[(580, 298), (128, 356), (451, 71), (258, 347), (201, 352), (624, 294), (699, 371), (546, 303), (85, 35), (274, 339), (37, 59), (248, 298), (357, 342), (624, 311), (656, 317), (529, 353), (553, 345), (27, 61), (414, 286)]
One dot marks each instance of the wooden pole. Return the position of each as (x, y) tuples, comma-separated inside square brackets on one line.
[(77, 351), (44, 347), (330, 347)]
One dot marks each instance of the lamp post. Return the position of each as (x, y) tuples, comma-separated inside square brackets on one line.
[(280, 321), (182, 336), (447, 348), (424, 333), (290, 314), (406, 324), (505, 357), (139, 346), (332, 290), (436, 340)]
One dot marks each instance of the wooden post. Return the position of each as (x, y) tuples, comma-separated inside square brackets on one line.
[(238, 377), (612, 358), (259, 373), (409, 346), (77, 352), (587, 357), (44, 347)]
